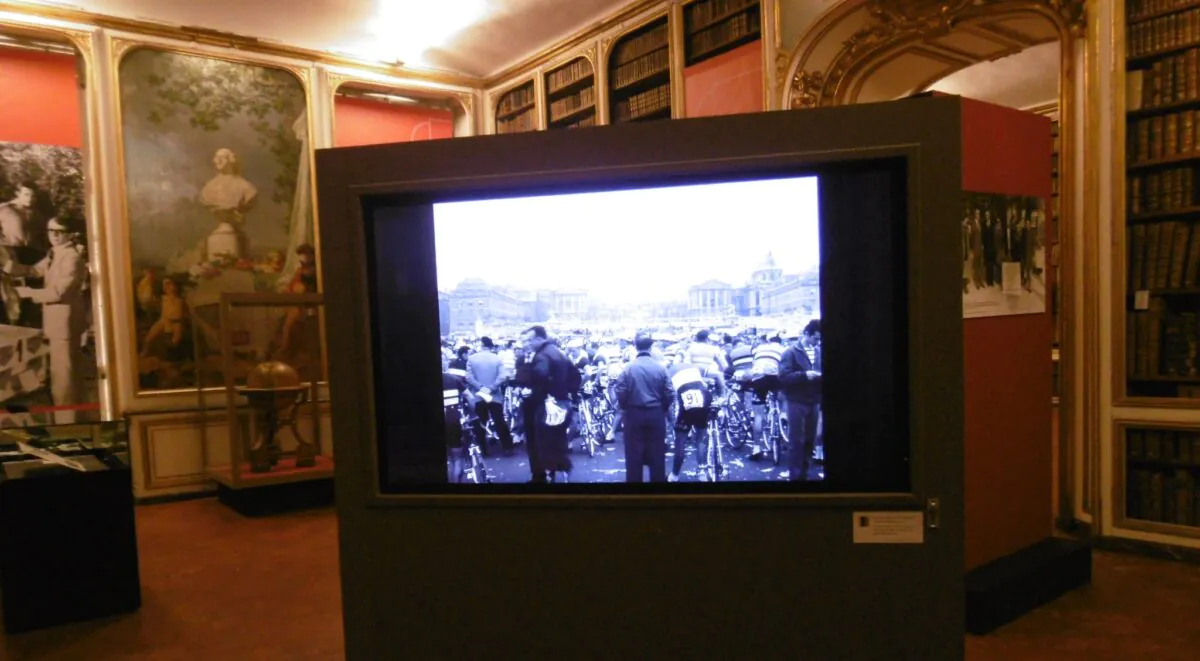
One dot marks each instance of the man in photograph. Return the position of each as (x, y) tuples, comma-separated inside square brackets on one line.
[(485, 373), (14, 218), (645, 395), (64, 310), (800, 381), (550, 401)]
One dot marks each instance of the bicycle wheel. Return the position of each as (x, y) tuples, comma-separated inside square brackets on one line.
[(773, 432), (715, 463)]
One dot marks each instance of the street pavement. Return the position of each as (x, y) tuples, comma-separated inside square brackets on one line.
[(609, 465)]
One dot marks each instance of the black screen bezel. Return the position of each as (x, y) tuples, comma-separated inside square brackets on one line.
[(895, 476)]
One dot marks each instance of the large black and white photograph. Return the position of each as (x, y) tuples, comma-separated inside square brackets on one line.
[(47, 350), (1004, 255), (654, 335)]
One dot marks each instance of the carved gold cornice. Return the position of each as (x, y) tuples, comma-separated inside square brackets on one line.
[(203, 36), (896, 24), (806, 89)]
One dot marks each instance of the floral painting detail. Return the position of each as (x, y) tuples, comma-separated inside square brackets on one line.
[(218, 197)]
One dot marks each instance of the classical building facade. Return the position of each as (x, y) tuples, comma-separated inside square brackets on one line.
[(474, 301), (712, 297)]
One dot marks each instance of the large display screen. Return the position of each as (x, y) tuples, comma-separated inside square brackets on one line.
[(736, 334), (652, 335)]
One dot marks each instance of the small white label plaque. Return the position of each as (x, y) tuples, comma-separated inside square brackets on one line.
[(889, 527), (1141, 300)]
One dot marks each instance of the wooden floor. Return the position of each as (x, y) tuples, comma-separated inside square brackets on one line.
[(219, 586)]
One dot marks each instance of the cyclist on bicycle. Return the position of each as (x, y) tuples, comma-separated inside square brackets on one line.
[(764, 381), (695, 387), (453, 386)]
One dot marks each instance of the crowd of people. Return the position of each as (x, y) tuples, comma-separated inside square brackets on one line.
[(655, 384)]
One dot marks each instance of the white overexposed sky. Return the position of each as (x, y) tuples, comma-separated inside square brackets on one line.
[(631, 246)]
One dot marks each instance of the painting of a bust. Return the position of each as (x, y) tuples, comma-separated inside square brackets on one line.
[(216, 157)]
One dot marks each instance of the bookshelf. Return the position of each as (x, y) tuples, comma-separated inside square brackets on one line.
[(571, 95), (516, 111), (639, 74), (1162, 212), (1160, 480), (713, 27)]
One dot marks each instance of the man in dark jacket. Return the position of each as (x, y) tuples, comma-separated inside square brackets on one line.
[(800, 381), (549, 379), (644, 392)]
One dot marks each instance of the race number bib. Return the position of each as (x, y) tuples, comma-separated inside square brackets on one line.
[(692, 399)]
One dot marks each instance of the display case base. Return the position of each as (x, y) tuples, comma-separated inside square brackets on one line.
[(68, 548), (1005, 589), (277, 498), (283, 472)]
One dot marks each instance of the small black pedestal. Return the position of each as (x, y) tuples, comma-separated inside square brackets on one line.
[(277, 498), (68, 547), (1005, 589)]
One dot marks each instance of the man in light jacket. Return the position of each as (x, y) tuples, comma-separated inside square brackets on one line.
[(64, 310)]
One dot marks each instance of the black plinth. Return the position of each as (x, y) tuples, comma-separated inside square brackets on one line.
[(277, 498), (1005, 589), (68, 547)]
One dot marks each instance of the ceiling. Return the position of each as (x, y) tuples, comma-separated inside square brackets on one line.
[(1025, 80), (473, 37), (920, 64)]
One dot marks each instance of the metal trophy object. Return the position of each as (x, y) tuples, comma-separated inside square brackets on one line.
[(274, 392)]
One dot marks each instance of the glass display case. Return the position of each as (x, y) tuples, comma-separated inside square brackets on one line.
[(260, 378), (53, 449)]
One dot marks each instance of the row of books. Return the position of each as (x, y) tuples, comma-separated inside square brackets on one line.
[(1162, 496), (586, 98), (590, 120), (641, 44), (1164, 255), (700, 14), (568, 75), (1160, 342), (518, 98), (1136, 10), (1163, 445), (1173, 189), (645, 103), (518, 124), (1164, 33), (724, 33), (643, 67), (1174, 79), (1164, 136)]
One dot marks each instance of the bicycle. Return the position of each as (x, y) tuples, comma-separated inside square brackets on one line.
[(774, 432), (475, 468), (714, 463), (738, 422)]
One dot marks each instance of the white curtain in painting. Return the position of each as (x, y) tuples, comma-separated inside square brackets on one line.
[(302, 230)]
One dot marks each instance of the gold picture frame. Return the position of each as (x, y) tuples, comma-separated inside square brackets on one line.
[(133, 397)]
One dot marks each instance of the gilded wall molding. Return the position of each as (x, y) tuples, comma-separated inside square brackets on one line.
[(807, 87), (895, 25)]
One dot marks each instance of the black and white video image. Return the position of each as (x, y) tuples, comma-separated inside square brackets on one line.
[(653, 335)]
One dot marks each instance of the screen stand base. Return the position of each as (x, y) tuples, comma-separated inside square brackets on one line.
[(1009, 587)]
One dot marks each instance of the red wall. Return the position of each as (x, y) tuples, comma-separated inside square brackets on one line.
[(727, 84), (359, 122), (1008, 371), (39, 99)]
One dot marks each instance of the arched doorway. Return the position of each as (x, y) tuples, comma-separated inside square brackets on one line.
[(1017, 53)]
